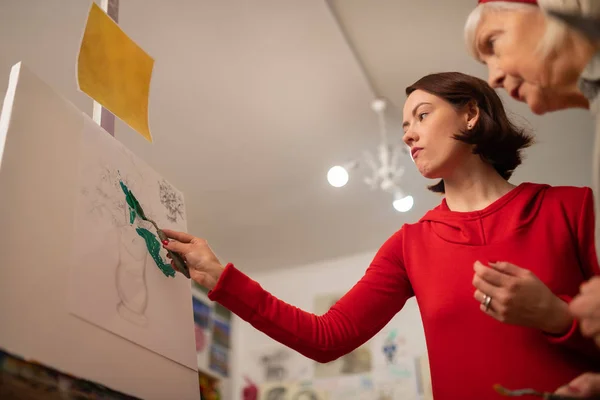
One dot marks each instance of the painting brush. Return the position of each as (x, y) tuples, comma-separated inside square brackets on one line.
[(177, 258), (543, 395), (135, 205)]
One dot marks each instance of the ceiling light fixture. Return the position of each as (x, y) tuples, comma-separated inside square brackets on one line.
[(338, 176), (386, 170)]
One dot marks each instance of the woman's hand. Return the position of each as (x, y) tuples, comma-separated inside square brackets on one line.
[(586, 308), (518, 297), (204, 266), (586, 385)]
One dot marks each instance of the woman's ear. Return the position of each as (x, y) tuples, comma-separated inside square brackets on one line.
[(472, 114)]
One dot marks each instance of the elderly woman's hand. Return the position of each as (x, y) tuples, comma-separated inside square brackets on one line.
[(586, 385), (586, 308), (518, 297), (204, 266)]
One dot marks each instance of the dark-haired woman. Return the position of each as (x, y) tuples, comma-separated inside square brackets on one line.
[(489, 266)]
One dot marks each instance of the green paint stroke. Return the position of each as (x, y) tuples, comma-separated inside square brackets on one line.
[(134, 205), (153, 246), (152, 243)]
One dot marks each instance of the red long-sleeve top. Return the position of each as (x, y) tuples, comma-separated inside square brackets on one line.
[(548, 230)]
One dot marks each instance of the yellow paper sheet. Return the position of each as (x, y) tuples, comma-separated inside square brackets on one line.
[(113, 70)]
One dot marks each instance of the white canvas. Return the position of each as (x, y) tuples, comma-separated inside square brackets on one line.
[(115, 282)]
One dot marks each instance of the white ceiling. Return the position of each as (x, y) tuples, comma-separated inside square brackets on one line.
[(252, 102)]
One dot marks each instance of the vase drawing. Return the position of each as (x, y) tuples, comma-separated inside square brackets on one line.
[(131, 276)]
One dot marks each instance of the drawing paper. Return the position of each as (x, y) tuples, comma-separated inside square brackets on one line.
[(115, 282)]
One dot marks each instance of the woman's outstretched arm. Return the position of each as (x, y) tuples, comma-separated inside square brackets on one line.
[(354, 319)]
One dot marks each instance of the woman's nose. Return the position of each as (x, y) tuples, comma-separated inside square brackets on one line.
[(409, 136), (495, 76)]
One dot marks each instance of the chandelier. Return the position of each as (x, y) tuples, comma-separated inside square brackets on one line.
[(385, 169)]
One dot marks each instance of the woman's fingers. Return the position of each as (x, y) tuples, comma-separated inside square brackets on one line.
[(591, 286), (586, 305), (490, 275), (590, 327), (177, 247), (484, 286), (179, 236), (585, 385), (174, 266), (480, 297)]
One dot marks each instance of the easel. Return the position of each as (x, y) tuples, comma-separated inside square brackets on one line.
[(42, 147), (106, 120), (101, 115)]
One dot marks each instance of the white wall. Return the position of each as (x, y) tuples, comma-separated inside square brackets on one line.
[(299, 286)]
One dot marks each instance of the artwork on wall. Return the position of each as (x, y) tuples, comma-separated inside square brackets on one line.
[(250, 390), (120, 278), (201, 312), (210, 387), (277, 363), (201, 339), (274, 365), (222, 313), (423, 377), (221, 340), (213, 334), (371, 386), (358, 361), (219, 359), (394, 346), (391, 387), (201, 323), (375, 385), (281, 391), (221, 333), (277, 391), (392, 353), (350, 387)]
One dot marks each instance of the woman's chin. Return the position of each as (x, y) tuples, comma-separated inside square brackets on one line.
[(428, 174), (537, 107), (428, 169)]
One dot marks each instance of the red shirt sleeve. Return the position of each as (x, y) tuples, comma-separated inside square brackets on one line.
[(586, 236), (584, 230), (354, 319)]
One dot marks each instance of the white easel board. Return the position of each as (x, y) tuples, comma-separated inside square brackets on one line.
[(40, 139)]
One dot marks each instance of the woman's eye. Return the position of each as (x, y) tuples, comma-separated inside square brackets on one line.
[(489, 44), (422, 116)]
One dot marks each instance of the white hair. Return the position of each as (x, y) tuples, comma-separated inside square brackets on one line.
[(554, 34), (557, 31)]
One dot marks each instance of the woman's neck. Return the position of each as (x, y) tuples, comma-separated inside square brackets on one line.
[(575, 54), (566, 97), (475, 188), (578, 52), (582, 47)]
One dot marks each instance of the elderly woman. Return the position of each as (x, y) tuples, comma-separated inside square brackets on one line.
[(586, 307), (536, 59), (541, 62), (491, 266)]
